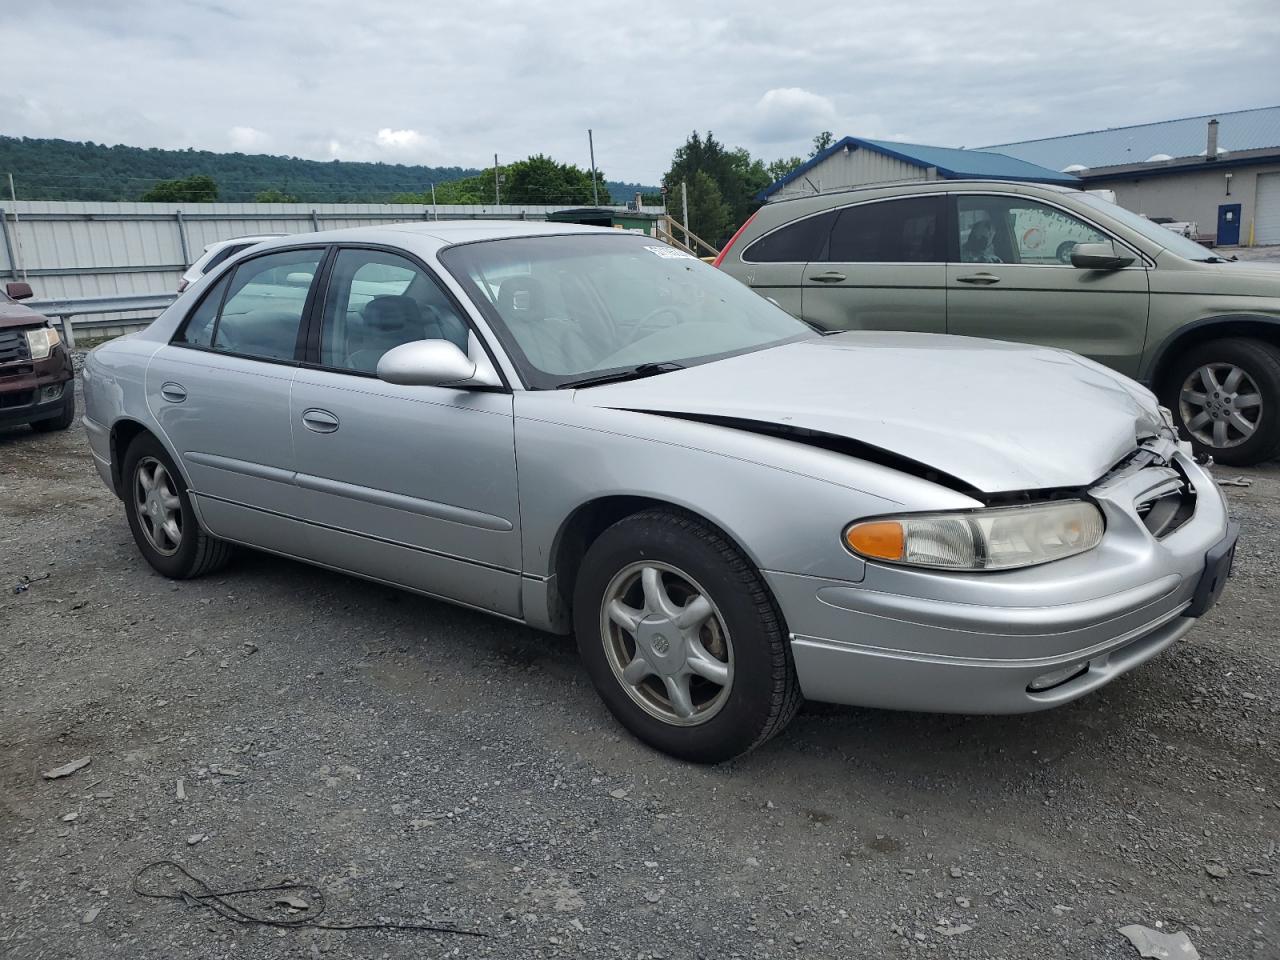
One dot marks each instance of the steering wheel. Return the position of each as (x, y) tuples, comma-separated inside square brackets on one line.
[(648, 324)]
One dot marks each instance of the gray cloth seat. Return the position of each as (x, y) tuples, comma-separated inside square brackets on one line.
[(388, 322), (552, 344)]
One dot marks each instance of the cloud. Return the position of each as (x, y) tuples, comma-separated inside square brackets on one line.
[(789, 113), (247, 138), (453, 84)]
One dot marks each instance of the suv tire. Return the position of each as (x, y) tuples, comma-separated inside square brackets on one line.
[(1225, 397), (668, 597)]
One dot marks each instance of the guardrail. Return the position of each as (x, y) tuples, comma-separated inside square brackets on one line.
[(64, 310)]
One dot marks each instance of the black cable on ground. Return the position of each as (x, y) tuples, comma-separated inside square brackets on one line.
[(216, 900)]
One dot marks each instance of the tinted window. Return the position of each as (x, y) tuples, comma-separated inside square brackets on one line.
[(1011, 229), (891, 231), (378, 300), (797, 242), (222, 254), (264, 305), (198, 330)]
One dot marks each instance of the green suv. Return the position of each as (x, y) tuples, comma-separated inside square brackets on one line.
[(1040, 264)]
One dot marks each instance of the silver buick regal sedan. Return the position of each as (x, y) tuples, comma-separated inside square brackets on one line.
[(585, 430)]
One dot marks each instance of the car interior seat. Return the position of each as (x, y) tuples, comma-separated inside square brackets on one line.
[(388, 322), (551, 344)]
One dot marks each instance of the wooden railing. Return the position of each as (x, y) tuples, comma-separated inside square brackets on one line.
[(670, 230)]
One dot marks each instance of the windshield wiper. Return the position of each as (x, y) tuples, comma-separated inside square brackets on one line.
[(617, 376)]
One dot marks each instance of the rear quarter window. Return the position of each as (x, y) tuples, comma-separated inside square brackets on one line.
[(797, 242)]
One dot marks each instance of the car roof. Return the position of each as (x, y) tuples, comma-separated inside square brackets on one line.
[(252, 238), (439, 233), (932, 186)]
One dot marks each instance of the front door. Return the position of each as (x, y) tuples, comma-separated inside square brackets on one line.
[(1228, 225), (410, 485), (220, 393), (1011, 278), (881, 269)]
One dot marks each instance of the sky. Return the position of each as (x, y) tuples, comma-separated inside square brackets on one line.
[(417, 81)]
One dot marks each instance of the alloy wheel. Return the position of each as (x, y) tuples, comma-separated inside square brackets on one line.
[(1220, 405), (159, 509), (667, 643)]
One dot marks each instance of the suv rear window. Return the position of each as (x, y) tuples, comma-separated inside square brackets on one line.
[(797, 242)]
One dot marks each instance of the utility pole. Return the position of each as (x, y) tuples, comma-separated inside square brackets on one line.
[(497, 189), (435, 210), (684, 198), (595, 190), (22, 260)]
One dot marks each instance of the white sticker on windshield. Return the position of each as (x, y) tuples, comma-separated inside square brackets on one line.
[(669, 253)]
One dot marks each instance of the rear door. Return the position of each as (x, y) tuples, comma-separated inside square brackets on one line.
[(882, 268), (1011, 279), (220, 393), (411, 485), (774, 265)]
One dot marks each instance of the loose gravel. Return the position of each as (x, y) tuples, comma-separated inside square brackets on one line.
[(278, 723)]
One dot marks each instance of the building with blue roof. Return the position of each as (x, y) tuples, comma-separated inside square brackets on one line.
[(1221, 171), (856, 162)]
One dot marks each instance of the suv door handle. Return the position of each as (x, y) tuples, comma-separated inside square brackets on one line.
[(321, 421), (831, 276), (173, 392), (982, 279)]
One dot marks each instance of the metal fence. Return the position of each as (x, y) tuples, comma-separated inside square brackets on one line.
[(85, 253)]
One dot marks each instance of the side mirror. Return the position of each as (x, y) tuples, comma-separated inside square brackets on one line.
[(1099, 256), (17, 290), (426, 363)]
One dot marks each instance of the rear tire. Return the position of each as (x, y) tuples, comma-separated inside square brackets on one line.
[(65, 418), (721, 638), (1225, 397), (163, 523)]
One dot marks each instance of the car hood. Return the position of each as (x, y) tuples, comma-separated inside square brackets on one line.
[(16, 315), (997, 416)]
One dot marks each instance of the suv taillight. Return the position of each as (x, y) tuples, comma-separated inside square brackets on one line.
[(732, 240)]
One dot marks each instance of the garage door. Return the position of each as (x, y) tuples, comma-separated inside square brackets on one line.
[(1266, 217)]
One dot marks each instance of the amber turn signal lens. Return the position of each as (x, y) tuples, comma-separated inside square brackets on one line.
[(878, 539)]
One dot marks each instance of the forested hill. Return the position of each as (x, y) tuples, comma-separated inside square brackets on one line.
[(67, 170)]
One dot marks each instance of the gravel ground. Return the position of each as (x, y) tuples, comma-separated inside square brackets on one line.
[(419, 761)]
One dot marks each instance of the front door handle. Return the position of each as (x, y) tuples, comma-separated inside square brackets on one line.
[(982, 279), (321, 421), (173, 392), (831, 276)]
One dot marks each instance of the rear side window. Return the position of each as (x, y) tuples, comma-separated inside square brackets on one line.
[(198, 330), (223, 254), (797, 242), (262, 303), (890, 231)]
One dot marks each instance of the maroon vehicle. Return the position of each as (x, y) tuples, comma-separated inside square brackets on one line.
[(35, 368)]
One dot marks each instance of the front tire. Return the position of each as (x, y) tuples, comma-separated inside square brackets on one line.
[(1225, 396), (682, 638), (161, 517)]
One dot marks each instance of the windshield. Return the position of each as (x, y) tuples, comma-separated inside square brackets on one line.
[(1187, 249), (569, 307)]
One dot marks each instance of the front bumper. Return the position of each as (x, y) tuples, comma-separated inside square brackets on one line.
[(976, 643), (33, 390)]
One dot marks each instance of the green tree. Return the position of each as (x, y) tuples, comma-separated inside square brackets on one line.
[(272, 195), (198, 188), (821, 142), (737, 179), (540, 179), (781, 167)]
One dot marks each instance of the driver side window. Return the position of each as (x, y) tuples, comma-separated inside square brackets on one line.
[(378, 300)]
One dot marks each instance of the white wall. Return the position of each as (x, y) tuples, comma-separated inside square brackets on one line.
[(854, 168)]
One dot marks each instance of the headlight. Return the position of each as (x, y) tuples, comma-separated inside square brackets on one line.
[(41, 341), (997, 539)]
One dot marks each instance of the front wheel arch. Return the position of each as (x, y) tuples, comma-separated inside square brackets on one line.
[(1166, 356)]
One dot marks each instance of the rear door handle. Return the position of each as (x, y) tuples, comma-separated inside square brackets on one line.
[(982, 279), (321, 421), (831, 276), (173, 392)]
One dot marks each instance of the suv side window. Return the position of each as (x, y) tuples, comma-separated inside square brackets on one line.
[(797, 242), (379, 300), (1012, 229), (223, 254), (909, 230), (263, 305)]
